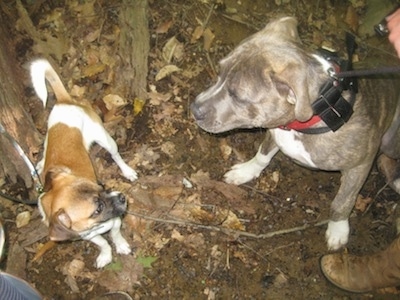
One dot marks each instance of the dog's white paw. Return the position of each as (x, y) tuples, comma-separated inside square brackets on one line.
[(337, 234), (242, 173), (129, 173), (123, 247), (104, 258)]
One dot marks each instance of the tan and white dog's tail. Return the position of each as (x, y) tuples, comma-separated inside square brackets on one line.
[(41, 70)]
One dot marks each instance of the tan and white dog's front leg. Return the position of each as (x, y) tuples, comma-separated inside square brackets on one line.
[(94, 235), (247, 171), (121, 245), (105, 256), (108, 143), (337, 233)]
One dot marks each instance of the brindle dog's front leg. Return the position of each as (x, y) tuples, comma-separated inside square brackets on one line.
[(244, 172), (352, 181)]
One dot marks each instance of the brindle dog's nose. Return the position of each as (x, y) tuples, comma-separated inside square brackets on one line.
[(197, 112)]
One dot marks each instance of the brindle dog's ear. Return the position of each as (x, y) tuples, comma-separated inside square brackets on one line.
[(285, 27), (298, 89), (290, 74), (60, 227)]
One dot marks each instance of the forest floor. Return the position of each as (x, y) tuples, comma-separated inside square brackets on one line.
[(194, 236)]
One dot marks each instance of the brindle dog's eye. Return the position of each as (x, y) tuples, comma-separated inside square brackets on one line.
[(99, 209)]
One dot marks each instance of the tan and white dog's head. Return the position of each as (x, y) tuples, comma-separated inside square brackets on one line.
[(72, 206), (266, 81)]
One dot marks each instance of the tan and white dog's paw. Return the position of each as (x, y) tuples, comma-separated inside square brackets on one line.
[(123, 247), (337, 234), (104, 258), (129, 173)]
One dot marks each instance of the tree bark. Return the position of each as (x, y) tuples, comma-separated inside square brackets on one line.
[(134, 45), (13, 116)]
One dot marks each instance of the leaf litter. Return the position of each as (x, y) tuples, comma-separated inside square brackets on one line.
[(172, 186)]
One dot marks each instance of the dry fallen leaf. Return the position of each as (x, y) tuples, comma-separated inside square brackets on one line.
[(157, 98), (125, 278), (225, 149), (92, 70), (72, 270), (352, 18), (173, 48), (208, 38), (23, 219), (197, 33), (168, 148), (165, 71), (176, 235), (164, 27), (114, 101), (362, 203), (138, 105)]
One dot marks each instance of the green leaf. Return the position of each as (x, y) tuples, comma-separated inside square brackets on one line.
[(116, 266), (146, 261)]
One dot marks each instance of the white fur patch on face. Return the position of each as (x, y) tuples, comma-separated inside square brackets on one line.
[(41, 210), (98, 229), (337, 234), (292, 146)]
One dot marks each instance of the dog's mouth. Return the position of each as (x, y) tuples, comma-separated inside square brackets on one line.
[(111, 205)]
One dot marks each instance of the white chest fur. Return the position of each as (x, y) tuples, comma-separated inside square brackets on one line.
[(289, 143)]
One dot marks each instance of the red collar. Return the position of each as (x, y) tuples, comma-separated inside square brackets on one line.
[(299, 126)]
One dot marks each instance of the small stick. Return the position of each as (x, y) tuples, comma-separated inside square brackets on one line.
[(235, 233)]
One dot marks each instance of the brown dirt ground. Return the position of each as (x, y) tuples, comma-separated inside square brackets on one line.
[(199, 242)]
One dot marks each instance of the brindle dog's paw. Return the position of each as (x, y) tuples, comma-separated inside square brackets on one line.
[(337, 234), (242, 173)]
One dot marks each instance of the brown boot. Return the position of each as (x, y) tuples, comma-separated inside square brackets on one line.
[(364, 273)]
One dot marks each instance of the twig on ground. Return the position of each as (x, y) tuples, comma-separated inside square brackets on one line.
[(376, 196), (241, 22), (203, 27), (205, 23), (235, 233)]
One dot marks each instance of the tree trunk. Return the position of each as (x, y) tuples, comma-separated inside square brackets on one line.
[(13, 117), (134, 48)]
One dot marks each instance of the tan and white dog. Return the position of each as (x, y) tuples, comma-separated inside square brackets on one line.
[(270, 81), (73, 204)]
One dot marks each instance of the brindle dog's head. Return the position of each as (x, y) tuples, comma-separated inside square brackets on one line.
[(266, 81), (71, 205)]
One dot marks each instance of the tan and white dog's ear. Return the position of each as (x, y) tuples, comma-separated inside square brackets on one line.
[(60, 227), (51, 175)]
